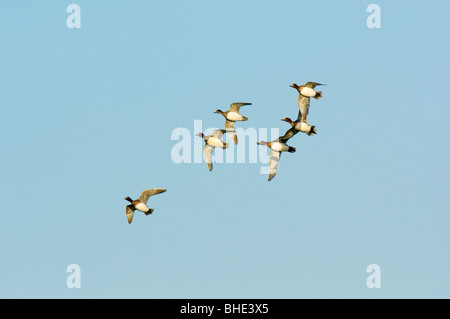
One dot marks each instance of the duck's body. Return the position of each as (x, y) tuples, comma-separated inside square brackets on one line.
[(216, 142), (215, 139), (278, 146), (137, 204), (231, 117), (212, 141), (301, 126), (141, 203), (307, 90), (141, 207)]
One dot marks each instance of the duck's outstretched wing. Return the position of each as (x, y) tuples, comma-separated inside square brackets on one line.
[(289, 133), (312, 85), (236, 106), (207, 155), (274, 159), (150, 192), (130, 213), (218, 133), (303, 106), (229, 126)]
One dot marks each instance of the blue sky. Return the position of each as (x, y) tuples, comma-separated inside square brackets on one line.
[(86, 117)]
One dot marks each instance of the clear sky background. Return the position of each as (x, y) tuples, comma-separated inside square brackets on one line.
[(86, 117)]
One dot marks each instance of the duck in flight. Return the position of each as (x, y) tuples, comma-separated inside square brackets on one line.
[(212, 141), (301, 126), (231, 116), (141, 203), (305, 92), (278, 146)]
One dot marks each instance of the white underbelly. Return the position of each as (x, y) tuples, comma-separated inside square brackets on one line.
[(142, 207), (308, 92), (303, 127), (280, 147), (216, 142), (234, 116)]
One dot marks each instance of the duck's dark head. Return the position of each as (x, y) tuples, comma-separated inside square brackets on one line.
[(128, 199), (219, 111), (287, 119), (312, 131), (262, 143), (293, 85)]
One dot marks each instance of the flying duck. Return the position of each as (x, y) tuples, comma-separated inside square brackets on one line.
[(141, 203), (231, 116), (211, 141), (305, 93), (278, 146), (301, 126)]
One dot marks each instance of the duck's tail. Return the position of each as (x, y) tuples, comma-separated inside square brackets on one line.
[(318, 95), (150, 211), (291, 149), (312, 131)]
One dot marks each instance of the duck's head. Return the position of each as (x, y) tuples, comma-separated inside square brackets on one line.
[(262, 143), (287, 119), (219, 111), (201, 135), (128, 199), (293, 85)]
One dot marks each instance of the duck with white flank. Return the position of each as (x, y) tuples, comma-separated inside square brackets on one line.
[(231, 116), (141, 203), (212, 141), (305, 93), (276, 148), (301, 126)]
